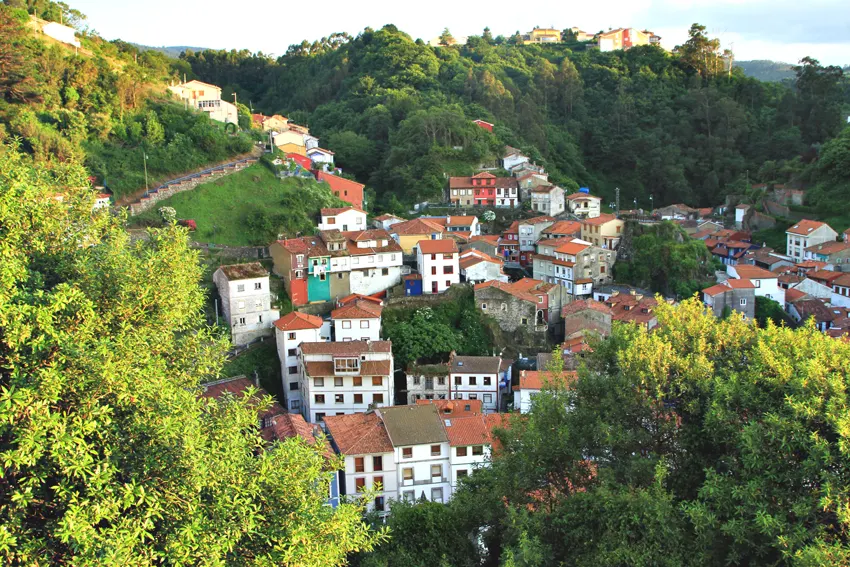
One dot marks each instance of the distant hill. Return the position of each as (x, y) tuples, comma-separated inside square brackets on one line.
[(171, 50), (763, 70)]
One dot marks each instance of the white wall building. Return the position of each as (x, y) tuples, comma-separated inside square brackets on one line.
[(358, 319), (547, 200), (475, 378), (386, 221), (584, 205), (206, 98), (466, 223), (766, 282), (290, 331), (62, 33), (427, 382), (532, 381), (841, 291), (375, 262), (469, 444), (345, 377), (530, 231), (246, 301), (343, 219), (477, 267), (438, 262), (321, 156), (512, 158), (807, 233)]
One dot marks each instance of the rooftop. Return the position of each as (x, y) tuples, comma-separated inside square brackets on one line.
[(805, 227), (585, 304), (444, 246), (537, 379), (454, 408), (296, 321), (359, 433), (604, 218), (413, 425), (244, 271), (416, 226), (340, 210), (475, 364), (753, 272), (358, 309), (465, 431), (347, 348)]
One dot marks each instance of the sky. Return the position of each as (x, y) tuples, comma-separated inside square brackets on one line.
[(780, 30)]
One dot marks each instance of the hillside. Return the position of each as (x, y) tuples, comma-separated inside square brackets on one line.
[(169, 50), (675, 126), (764, 70)]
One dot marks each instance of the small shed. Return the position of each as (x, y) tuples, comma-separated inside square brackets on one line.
[(413, 284)]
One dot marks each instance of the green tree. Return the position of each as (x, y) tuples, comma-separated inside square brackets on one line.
[(770, 310), (109, 455)]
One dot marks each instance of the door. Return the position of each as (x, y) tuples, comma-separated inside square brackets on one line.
[(433, 287)]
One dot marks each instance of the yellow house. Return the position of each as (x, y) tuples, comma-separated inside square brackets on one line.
[(291, 141), (275, 123), (543, 35), (409, 233), (604, 231)]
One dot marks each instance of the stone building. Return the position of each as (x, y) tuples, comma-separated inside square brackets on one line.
[(738, 295), (246, 301), (586, 315), (427, 382)]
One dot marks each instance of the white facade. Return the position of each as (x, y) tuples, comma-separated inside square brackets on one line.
[(522, 399), (206, 98), (346, 220), (767, 286), (813, 288), (357, 329), (465, 459), (426, 386), (369, 281), (547, 201), (584, 205), (439, 270), (512, 160), (804, 234), (740, 213), (529, 234), (62, 33), (291, 370), (245, 302), (484, 271), (386, 221), (367, 471), (311, 142), (319, 155), (424, 470), (476, 378)]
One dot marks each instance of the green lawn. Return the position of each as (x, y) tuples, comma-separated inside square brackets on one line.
[(250, 207)]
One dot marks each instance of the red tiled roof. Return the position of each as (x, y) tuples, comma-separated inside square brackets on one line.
[(296, 321), (716, 290), (388, 217), (341, 185), (444, 246), (416, 226), (793, 294), (805, 227), (604, 218), (460, 220), (753, 272), (490, 238), (455, 408), (564, 227), (347, 348), (740, 284), (237, 387), (466, 182), (465, 431), (359, 434), (571, 248), (340, 210), (583, 304), (579, 196), (811, 265), (824, 276), (357, 296), (303, 161), (828, 248), (357, 310), (537, 220), (536, 379), (843, 281)]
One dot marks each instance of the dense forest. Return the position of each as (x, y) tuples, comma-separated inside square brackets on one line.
[(679, 127)]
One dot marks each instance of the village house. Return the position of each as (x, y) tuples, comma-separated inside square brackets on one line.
[(581, 35), (767, 258), (532, 381), (321, 158), (246, 301), (730, 252), (386, 221), (349, 191), (275, 122), (426, 382), (477, 267), (509, 245), (408, 234), (484, 189), (487, 243), (293, 139), (527, 304), (528, 181), (290, 263), (677, 211), (633, 308), (835, 254), (562, 229), (512, 157), (766, 282), (345, 377), (807, 233), (586, 316), (623, 38), (841, 291), (604, 231), (584, 205), (470, 444), (475, 378), (529, 231), (819, 310), (369, 457), (574, 264), (526, 167), (206, 98), (548, 200), (483, 124), (736, 294), (343, 219), (438, 264), (357, 318), (291, 330), (542, 35)]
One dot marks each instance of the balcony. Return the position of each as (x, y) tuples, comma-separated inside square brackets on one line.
[(432, 480)]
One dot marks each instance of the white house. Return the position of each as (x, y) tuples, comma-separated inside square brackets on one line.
[(740, 213), (438, 264), (206, 98), (467, 224), (375, 262), (290, 331), (841, 291), (529, 233), (584, 205), (386, 221), (343, 219), (369, 456), (311, 141), (358, 318), (547, 200), (320, 156), (345, 377), (246, 301), (102, 201), (477, 267), (532, 381), (807, 233), (475, 378), (57, 31), (427, 382), (766, 282), (814, 289), (421, 449), (512, 158), (470, 445)]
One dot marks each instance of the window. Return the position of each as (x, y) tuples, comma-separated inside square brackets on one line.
[(378, 480), (377, 380), (359, 464), (385, 271), (292, 370), (258, 285), (433, 270), (295, 405), (318, 382), (409, 496), (320, 416), (407, 453), (524, 320), (416, 380), (460, 451), (364, 324), (601, 269), (436, 471), (319, 398), (473, 396), (379, 503), (743, 301), (293, 386), (377, 398), (488, 398), (342, 365), (435, 451), (339, 398), (436, 495), (346, 324), (504, 306), (241, 320), (331, 220), (299, 258), (441, 381), (458, 396), (338, 382), (448, 269), (484, 306), (487, 380), (448, 283), (358, 380), (240, 287), (259, 318), (407, 474), (292, 352), (360, 484), (458, 381), (377, 463), (478, 450), (473, 381), (462, 473), (291, 336)]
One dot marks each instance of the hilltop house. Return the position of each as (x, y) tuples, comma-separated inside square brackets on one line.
[(349, 191), (206, 98), (624, 38), (408, 234), (343, 219), (513, 157), (548, 200), (477, 267), (246, 301), (574, 264), (530, 305), (438, 263), (542, 35), (736, 294), (807, 233), (291, 330), (584, 205), (633, 308), (275, 122), (484, 189), (321, 158), (835, 254)]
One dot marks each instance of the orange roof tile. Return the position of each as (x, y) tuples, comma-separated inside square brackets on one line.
[(340, 210), (359, 434), (583, 304), (417, 226), (604, 218), (465, 431), (805, 227), (753, 272), (359, 309), (455, 408), (740, 284), (536, 379), (296, 321), (571, 248), (793, 294), (444, 246)]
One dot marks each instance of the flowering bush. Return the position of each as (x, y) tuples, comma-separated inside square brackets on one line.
[(168, 214)]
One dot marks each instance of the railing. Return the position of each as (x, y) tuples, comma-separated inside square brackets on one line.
[(203, 173), (432, 480)]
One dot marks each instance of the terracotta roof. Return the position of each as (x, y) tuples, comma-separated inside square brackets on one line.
[(564, 227), (716, 290), (296, 321), (413, 425), (347, 348), (811, 265), (740, 284), (303, 161), (545, 189), (584, 304), (537, 220), (633, 308), (571, 248), (824, 276), (470, 260), (455, 408), (600, 220), (490, 238), (288, 425), (465, 431), (444, 246), (753, 272), (367, 368), (354, 297), (579, 196), (295, 245), (474, 364), (520, 292), (536, 379), (828, 248), (466, 182), (320, 150), (817, 309), (387, 217), (417, 226), (359, 433), (244, 271), (357, 310), (805, 227), (793, 294), (467, 220), (843, 281), (789, 279), (340, 210)]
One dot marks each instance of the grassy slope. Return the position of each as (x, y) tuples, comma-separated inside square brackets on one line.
[(220, 207)]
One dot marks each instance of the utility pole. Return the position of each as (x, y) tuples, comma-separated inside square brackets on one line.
[(617, 200), (145, 157), (234, 99)]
